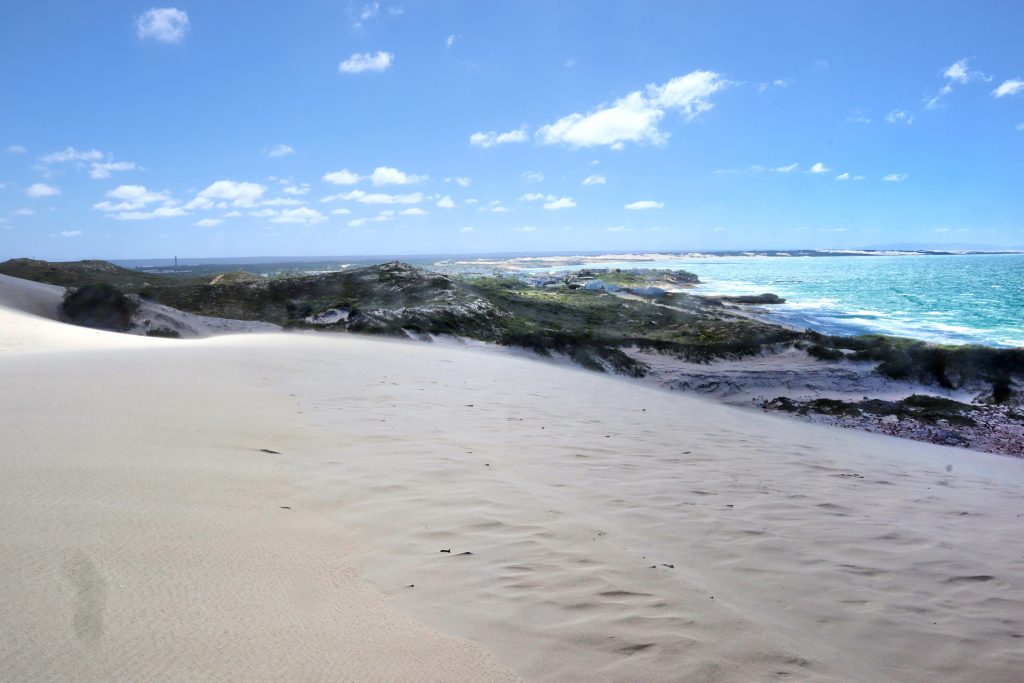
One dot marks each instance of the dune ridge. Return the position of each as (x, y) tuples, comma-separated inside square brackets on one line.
[(216, 507)]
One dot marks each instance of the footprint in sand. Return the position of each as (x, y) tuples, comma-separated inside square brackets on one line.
[(90, 595)]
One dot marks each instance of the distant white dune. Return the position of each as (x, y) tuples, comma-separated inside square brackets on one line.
[(281, 507)]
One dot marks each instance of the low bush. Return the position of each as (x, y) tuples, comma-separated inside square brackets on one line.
[(101, 306)]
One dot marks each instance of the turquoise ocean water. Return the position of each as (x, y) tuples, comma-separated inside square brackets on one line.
[(954, 299)]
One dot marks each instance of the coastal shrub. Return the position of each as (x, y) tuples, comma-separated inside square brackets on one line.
[(824, 353), (1001, 391), (928, 410), (164, 332), (101, 306), (949, 367)]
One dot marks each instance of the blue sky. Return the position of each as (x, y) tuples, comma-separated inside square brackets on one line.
[(208, 129)]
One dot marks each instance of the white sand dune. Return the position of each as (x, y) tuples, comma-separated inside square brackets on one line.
[(616, 532)]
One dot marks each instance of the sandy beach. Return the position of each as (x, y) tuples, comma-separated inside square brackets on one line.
[(334, 507)]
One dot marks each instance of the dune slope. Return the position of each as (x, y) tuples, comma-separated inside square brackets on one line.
[(611, 531)]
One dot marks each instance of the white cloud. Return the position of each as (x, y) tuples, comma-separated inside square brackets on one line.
[(960, 73), (72, 154), (137, 195), (471, 201), (42, 190), (415, 211), (384, 175), (933, 103), (238, 194), (593, 180), (644, 204), (492, 138), (468, 228), (819, 168), (263, 213), (777, 83), (359, 63), (957, 72), (167, 25), (446, 203), (461, 182), (532, 176), (16, 149), (342, 177), (537, 197), (786, 169), (899, 116), (563, 203), (859, 116), (376, 198), (369, 10), (617, 228), (209, 222), (498, 209), (281, 201), (635, 117), (449, 41), (1020, 126), (23, 212), (291, 188), (630, 119), (280, 151), (382, 217), (102, 170), (527, 228), (341, 212), (70, 233), (1010, 87), (303, 215), (689, 94), (232, 214), (895, 177), (843, 176), (159, 212)]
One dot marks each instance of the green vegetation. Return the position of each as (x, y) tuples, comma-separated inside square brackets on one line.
[(234, 277), (638, 277), (79, 273), (165, 332), (101, 305), (594, 328), (591, 327), (756, 299), (929, 410), (949, 367)]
